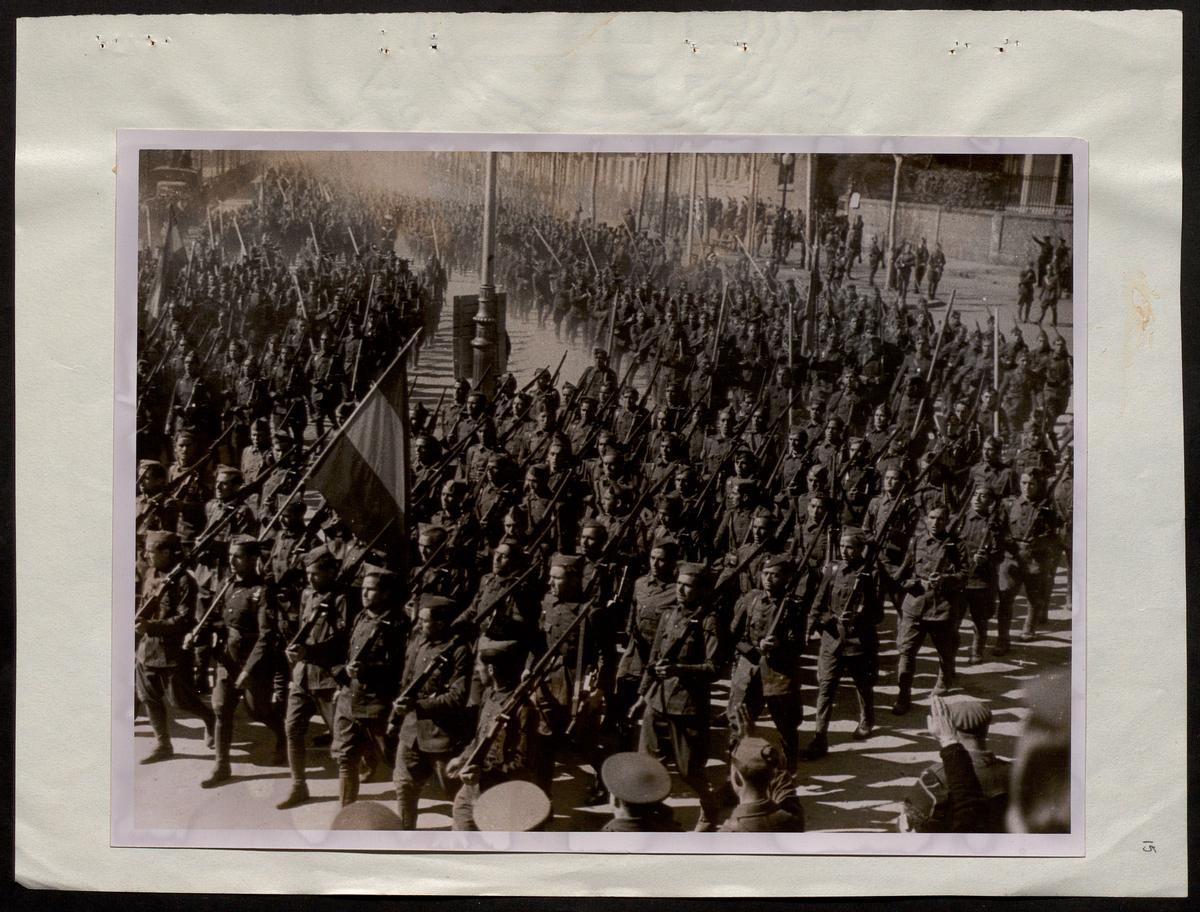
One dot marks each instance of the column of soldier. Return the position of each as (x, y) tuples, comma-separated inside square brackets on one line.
[(584, 567)]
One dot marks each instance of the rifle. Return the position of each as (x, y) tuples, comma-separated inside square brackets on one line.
[(438, 468), (434, 555), (692, 623), (850, 610), (741, 428), (262, 535), (173, 487), (345, 577), (523, 690)]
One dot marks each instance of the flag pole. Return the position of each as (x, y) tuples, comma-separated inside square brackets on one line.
[(316, 463), (995, 369)]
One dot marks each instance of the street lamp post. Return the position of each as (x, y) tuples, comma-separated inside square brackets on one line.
[(486, 330)]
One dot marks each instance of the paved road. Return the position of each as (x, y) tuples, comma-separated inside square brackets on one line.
[(858, 787)]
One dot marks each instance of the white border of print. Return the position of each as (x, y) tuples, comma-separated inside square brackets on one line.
[(123, 830)]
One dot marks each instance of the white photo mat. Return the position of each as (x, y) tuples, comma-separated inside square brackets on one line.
[(1089, 75)]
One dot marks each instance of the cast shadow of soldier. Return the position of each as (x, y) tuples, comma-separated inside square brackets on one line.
[(860, 786)]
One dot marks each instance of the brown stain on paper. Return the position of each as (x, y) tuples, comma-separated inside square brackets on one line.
[(1139, 322), (1139, 336)]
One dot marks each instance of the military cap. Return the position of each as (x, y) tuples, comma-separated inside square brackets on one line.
[(430, 530), (515, 806), (587, 397), (566, 561), (755, 756), (497, 459), (669, 500), (490, 649), (386, 577), (439, 607), (853, 534), (764, 513), (428, 438), (665, 542), (970, 716), (592, 524), (512, 544), (151, 467), (161, 538), (778, 561), (477, 394), (318, 557), (366, 815), (245, 543), (227, 471), (597, 352), (698, 571), (636, 778)]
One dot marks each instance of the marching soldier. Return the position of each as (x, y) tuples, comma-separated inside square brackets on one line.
[(368, 681), (931, 578), (317, 654), (432, 728), (247, 637), (845, 613), (504, 748), (768, 634), (675, 690), (165, 614)]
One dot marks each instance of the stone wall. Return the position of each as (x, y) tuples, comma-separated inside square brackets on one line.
[(976, 235)]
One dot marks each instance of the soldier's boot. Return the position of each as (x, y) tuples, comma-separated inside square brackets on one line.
[(221, 771), (299, 793), (709, 813), (978, 646), (406, 805), (817, 748), (904, 698), (866, 716), (348, 786), (162, 751), (1003, 625)]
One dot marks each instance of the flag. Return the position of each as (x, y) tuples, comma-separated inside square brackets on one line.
[(171, 261), (364, 472)]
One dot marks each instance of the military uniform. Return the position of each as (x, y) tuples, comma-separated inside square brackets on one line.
[(677, 707), (313, 686), (928, 608), (432, 731), (249, 636), (1033, 529), (364, 701), (846, 613), (163, 671), (771, 677)]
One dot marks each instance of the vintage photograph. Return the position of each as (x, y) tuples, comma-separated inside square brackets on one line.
[(601, 492)]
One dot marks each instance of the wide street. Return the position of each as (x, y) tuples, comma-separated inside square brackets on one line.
[(859, 786)]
